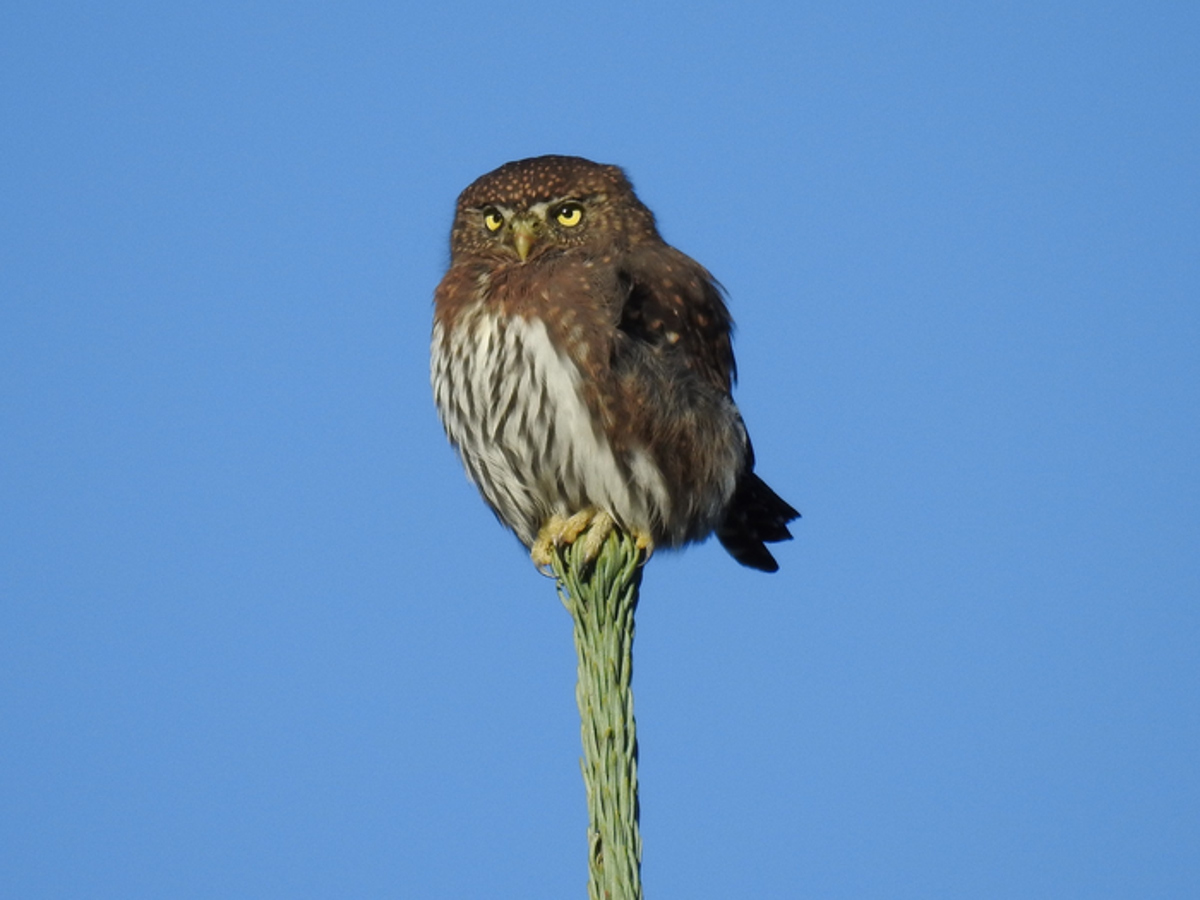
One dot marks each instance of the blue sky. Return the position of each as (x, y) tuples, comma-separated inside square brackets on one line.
[(261, 638)]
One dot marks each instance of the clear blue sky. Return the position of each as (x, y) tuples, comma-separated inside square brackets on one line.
[(261, 639)]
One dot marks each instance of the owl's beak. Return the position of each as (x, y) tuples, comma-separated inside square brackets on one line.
[(523, 238)]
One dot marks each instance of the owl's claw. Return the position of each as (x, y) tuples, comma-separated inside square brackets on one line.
[(559, 532), (593, 525), (542, 551), (644, 542)]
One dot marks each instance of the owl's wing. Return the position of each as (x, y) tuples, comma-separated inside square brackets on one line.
[(672, 303)]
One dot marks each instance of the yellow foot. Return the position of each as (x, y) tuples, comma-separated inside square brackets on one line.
[(595, 525), (645, 543), (559, 532)]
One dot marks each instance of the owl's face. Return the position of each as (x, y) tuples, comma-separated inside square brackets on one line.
[(520, 229), (527, 209)]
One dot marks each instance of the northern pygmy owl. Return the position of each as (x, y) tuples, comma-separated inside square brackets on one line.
[(582, 367)]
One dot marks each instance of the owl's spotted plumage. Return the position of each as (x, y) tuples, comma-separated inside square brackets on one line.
[(583, 365)]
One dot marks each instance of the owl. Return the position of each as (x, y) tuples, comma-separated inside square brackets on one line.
[(582, 367)]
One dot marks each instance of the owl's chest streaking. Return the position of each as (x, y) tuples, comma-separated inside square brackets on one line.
[(523, 389)]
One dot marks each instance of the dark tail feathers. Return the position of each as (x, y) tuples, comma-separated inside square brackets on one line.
[(757, 516)]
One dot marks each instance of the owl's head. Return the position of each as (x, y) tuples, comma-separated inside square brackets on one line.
[(532, 207)]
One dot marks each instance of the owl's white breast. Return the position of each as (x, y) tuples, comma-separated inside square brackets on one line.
[(512, 404)]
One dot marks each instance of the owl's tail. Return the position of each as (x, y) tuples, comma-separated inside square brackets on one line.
[(757, 516)]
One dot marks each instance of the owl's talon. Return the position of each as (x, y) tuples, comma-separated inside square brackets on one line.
[(594, 525), (598, 530), (644, 542), (542, 551)]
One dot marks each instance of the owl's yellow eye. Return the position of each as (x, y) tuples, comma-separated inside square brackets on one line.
[(492, 220), (569, 214)]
